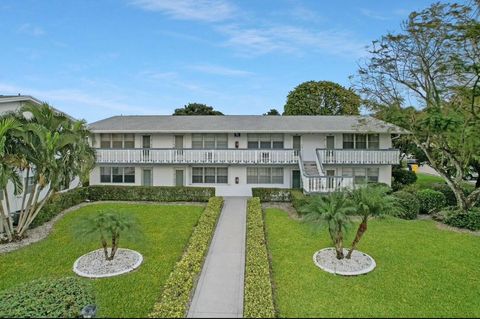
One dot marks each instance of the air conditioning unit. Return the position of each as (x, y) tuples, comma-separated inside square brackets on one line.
[(236, 134)]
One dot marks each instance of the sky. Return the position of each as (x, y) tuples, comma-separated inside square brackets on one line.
[(95, 59)]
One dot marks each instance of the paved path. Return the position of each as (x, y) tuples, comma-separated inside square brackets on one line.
[(219, 291)]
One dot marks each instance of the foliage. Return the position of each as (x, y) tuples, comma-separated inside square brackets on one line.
[(414, 260), (371, 201), (52, 298), (272, 112), (430, 201), (435, 60), (150, 193), (108, 224), (299, 199), (410, 204), (196, 109), (166, 229), (321, 98), (333, 211), (258, 297), (178, 289), (457, 218), (272, 194), (402, 177), (58, 203)]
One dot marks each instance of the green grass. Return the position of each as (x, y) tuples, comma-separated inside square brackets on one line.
[(425, 180), (421, 271), (166, 230)]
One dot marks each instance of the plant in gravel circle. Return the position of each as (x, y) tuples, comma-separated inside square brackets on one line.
[(109, 225)]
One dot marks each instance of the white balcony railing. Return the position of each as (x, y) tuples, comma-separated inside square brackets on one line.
[(326, 184), (197, 156), (342, 156)]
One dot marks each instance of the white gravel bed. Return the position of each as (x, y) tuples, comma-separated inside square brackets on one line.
[(359, 264), (94, 264)]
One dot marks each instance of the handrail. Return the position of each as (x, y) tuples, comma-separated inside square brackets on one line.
[(193, 149)]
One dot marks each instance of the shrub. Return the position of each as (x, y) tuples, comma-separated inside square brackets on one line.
[(150, 193), (431, 200), (258, 296), (410, 204), (59, 202), (403, 177), (53, 298), (446, 191), (298, 199), (272, 194), (469, 220), (179, 286)]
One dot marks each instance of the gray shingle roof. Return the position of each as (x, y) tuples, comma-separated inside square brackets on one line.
[(242, 124)]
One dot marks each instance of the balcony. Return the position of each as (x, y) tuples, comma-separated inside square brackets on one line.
[(366, 157), (326, 184), (196, 156)]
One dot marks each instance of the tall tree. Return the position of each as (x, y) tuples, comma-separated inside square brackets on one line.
[(272, 112), (196, 109), (434, 60), (322, 98)]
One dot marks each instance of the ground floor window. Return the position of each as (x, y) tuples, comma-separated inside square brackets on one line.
[(117, 174), (362, 175), (209, 175), (264, 175)]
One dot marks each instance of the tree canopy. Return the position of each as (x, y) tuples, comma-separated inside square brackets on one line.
[(321, 98), (435, 61), (272, 112), (196, 109)]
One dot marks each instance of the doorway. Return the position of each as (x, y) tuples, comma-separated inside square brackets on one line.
[(146, 144), (297, 144), (296, 180), (179, 177), (330, 153)]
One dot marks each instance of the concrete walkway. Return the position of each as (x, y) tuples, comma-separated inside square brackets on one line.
[(219, 291)]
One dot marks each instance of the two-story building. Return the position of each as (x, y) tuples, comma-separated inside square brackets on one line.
[(235, 153)]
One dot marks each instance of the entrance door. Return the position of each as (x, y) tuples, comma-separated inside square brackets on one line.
[(147, 179), (296, 180), (297, 143), (146, 145), (179, 177)]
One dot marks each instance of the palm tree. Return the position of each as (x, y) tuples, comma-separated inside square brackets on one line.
[(334, 211), (370, 201)]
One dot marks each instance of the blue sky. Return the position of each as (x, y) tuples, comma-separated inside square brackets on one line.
[(94, 59)]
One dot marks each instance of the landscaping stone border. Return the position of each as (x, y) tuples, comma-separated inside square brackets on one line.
[(359, 264), (125, 261)]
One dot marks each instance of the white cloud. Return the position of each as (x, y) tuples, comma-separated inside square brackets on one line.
[(219, 70), (374, 15), (200, 10), (291, 40), (32, 30)]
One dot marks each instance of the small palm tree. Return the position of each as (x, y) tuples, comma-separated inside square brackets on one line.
[(109, 224), (370, 201), (333, 210)]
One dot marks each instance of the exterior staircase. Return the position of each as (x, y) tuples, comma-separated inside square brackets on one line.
[(310, 168)]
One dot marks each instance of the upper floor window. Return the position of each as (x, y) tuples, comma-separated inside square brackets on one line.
[(207, 141), (361, 141), (117, 140), (267, 141), (264, 175)]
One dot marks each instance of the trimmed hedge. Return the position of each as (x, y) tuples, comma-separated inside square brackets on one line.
[(409, 203), (431, 201), (469, 220), (258, 296), (150, 193), (299, 199), (178, 289), (52, 298), (58, 203), (402, 177), (272, 194)]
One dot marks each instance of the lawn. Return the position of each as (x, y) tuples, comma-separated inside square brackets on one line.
[(421, 271), (425, 180), (166, 230)]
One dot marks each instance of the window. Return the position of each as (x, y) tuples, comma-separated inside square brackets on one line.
[(264, 175), (347, 172), (117, 174), (117, 140), (105, 174), (207, 141), (267, 141), (372, 174), (210, 175), (361, 175), (361, 141)]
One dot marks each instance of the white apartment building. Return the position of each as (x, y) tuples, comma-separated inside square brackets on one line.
[(235, 153)]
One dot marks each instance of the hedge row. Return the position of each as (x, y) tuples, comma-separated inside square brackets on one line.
[(61, 201), (469, 220), (151, 193), (258, 296), (47, 298), (409, 203), (178, 289), (272, 194)]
